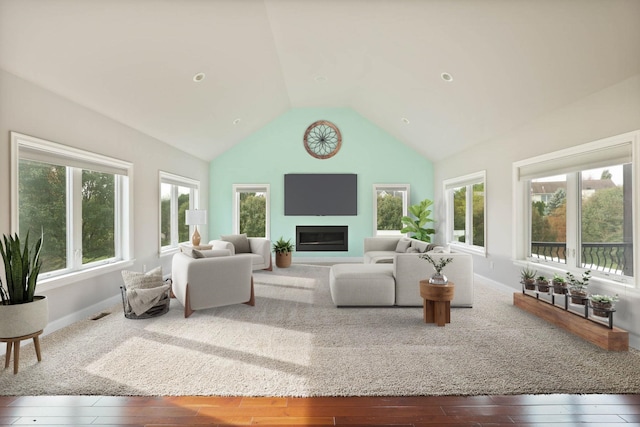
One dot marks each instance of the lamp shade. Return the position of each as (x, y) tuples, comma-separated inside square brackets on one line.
[(195, 217)]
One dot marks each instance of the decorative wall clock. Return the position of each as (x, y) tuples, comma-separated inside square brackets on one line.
[(322, 139)]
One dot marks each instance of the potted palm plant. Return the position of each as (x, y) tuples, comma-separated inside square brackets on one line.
[(21, 311), (283, 249)]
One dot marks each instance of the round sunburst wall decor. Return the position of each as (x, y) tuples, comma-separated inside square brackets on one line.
[(322, 139)]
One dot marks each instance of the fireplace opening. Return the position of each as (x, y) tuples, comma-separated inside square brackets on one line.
[(312, 238)]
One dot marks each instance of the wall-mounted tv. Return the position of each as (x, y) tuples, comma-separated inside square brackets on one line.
[(321, 194)]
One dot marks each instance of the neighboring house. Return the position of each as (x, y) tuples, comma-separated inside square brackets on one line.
[(542, 191)]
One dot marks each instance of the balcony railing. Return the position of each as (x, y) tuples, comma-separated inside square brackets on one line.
[(615, 258)]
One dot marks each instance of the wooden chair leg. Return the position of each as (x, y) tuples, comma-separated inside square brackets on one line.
[(252, 299), (270, 268), (7, 359), (187, 304)]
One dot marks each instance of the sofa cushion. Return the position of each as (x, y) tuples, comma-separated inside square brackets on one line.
[(379, 257), (212, 253), (403, 245), (239, 241)]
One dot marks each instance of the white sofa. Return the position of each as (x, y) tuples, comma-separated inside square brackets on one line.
[(260, 254), (407, 269)]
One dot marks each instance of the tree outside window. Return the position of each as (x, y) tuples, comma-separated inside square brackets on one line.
[(465, 206), (391, 204), (251, 209)]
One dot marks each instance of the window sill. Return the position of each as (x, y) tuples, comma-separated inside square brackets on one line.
[(76, 276), (473, 250)]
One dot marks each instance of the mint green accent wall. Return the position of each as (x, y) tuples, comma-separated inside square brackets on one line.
[(277, 149)]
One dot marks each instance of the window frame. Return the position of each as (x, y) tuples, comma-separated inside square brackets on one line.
[(406, 202), (593, 155), (448, 188), (251, 188), (194, 203), (75, 160)]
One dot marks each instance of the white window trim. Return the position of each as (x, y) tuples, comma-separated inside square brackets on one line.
[(194, 203), (405, 203), (457, 182), (123, 204), (248, 188), (521, 202)]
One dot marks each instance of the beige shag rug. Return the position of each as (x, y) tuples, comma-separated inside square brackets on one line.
[(295, 342)]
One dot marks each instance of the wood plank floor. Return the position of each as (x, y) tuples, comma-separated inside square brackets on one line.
[(522, 410)]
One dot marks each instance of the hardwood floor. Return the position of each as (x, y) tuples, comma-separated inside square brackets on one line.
[(495, 411)]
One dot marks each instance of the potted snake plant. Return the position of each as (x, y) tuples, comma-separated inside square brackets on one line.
[(21, 311)]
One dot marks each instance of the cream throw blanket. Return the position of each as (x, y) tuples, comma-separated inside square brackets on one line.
[(144, 290)]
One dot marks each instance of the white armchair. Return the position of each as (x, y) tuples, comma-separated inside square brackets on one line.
[(211, 282), (260, 248)]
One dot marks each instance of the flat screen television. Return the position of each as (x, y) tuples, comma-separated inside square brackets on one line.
[(321, 194)]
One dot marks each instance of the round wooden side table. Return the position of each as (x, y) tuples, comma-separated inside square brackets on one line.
[(436, 302)]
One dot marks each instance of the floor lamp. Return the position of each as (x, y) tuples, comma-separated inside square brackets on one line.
[(195, 217)]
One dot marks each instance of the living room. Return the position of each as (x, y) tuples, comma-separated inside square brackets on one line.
[(536, 98)]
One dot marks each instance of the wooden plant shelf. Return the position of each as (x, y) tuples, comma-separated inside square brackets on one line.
[(614, 339)]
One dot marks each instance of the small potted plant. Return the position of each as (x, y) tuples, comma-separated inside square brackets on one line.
[(283, 249), (528, 277), (438, 278), (559, 284), (578, 287), (543, 284), (602, 305)]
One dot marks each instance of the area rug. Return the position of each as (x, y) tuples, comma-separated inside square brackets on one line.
[(295, 342)]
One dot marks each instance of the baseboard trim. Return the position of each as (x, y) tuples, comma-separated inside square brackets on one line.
[(81, 314)]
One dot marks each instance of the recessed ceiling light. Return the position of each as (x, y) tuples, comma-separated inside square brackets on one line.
[(236, 121), (446, 77), (320, 79), (198, 77), (405, 120)]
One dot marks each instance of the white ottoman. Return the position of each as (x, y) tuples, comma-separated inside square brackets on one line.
[(362, 284)]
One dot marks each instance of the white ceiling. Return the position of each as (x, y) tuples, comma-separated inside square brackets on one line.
[(134, 61)]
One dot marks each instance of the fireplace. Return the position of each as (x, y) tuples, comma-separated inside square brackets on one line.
[(312, 238)]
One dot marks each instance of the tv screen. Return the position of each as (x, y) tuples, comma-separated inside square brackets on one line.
[(321, 194)]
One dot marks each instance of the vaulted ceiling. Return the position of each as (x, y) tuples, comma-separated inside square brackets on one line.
[(135, 61)]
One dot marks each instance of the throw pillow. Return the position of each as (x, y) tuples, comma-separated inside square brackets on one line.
[(239, 242), (403, 245), (413, 250), (148, 280)]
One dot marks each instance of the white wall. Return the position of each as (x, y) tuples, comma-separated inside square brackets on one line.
[(31, 110), (612, 111)]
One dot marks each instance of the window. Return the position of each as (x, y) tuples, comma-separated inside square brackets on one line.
[(390, 204), (177, 195), (465, 212), (78, 200), (576, 207), (251, 209)]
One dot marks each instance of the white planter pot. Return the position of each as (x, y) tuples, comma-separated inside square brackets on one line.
[(24, 319)]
